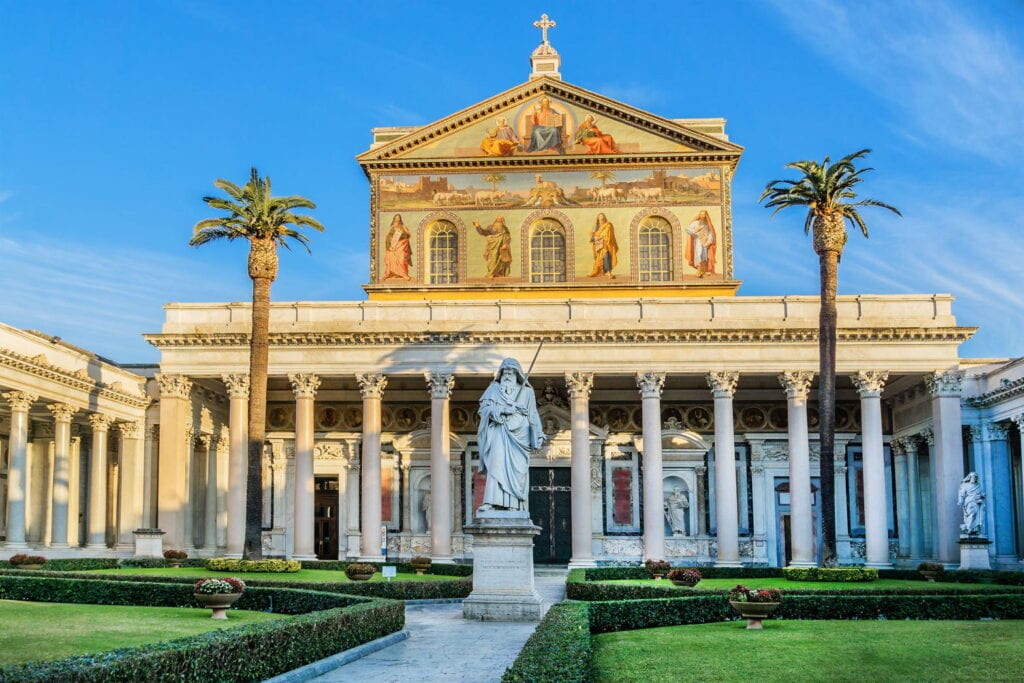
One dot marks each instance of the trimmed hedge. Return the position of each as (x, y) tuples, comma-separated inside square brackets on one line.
[(559, 649), (227, 564), (403, 567), (640, 572), (75, 564), (838, 574), (326, 624), (392, 590)]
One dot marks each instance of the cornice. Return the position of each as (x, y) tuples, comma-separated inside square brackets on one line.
[(589, 336), (39, 366), (1005, 392)]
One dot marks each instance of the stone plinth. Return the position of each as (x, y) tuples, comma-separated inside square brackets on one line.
[(149, 543), (974, 552), (503, 587)]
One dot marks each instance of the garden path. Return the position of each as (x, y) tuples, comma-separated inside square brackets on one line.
[(442, 646)]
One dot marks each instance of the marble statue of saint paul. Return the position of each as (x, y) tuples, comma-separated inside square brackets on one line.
[(510, 429)]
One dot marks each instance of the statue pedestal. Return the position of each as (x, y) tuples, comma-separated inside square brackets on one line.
[(503, 587), (974, 552)]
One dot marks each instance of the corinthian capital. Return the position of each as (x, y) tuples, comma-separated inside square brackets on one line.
[(579, 384), (650, 384), (870, 382), (796, 383), (20, 401), (945, 384), (304, 385), (131, 430), (439, 384), (237, 384), (372, 384), (928, 436), (100, 423), (723, 384), (62, 412), (174, 386), (996, 431)]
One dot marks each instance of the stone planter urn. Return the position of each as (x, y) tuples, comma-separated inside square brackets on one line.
[(929, 575), (421, 565), (360, 572), (218, 602), (754, 612)]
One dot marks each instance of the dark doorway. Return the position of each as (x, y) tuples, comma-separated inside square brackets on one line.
[(551, 510), (325, 504)]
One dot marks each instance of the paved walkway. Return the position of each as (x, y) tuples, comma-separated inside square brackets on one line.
[(442, 646)]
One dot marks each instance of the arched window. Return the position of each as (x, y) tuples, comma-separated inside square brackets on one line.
[(547, 251), (654, 241), (443, 260)]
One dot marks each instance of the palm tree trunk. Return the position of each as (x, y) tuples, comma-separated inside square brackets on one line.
[(262, 270), (828, 261)]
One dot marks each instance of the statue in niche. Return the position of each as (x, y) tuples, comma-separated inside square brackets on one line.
[(677, 506), (510, 430), (971, 500), (425, 508)]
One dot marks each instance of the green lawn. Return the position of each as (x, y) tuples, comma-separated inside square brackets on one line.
[(785, 584), (51, 630), (303, 575), (815, 651)]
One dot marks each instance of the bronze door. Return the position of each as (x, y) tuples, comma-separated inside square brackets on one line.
[(551, 510), (325, 503)]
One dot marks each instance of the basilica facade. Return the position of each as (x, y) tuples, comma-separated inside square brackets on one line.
[(591, 241)]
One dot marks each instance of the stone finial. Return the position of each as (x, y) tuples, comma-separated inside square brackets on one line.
[(439, 384), (945, 384), (797, 383), (579, 384), (237, 384), (20, 401), (650, 384), (100, 422), (174, 386), (62, 412), (372, 384), (304, 385), (723, 384), (870, 382)]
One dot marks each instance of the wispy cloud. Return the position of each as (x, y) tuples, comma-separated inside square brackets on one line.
[(957, 76)]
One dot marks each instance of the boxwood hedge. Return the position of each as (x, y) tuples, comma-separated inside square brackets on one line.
[(404, 567), (559, 649), (324, 624), (837, 574)]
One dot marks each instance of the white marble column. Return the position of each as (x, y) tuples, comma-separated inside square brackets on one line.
[(353, 467), (899, 460), (915, 528), (210, 501), (579, 385), (238, 424), (1000, 486), (439, 386), (371, 385), (130, 482), (869, 385), (97, 518), (651, 384), (797, 384), (62, 414), (948, 463), (17, 468), (304, 387), (174, 453), (223, 445), (723, 386)]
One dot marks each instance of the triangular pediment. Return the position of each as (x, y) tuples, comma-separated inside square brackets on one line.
[(547, 118)]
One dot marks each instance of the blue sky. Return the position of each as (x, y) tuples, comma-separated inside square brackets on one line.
[(115, 117)]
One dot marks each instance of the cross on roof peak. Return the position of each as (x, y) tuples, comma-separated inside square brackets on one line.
[(544, 24)]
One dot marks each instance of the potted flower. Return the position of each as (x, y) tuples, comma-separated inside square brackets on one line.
[(657, 568), (218, 594), (929, 570), (175, 557), (684, 577), (358, 571), (420, 564), (754, 604), (22, 561)]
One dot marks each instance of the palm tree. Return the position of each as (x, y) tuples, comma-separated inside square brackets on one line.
[(603, 176), (827, 190), (254, 214), (494, 179)]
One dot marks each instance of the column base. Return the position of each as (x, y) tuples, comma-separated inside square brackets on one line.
[(59, 546), (582, 563), (802, 564), (304, 558), (20, 545), (96, 546), (878, 565), (1009, 562), (732, 564), (371, 558), (442, 559), (233, 556)]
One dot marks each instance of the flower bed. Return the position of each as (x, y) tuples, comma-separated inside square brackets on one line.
[(225, 564), (839, 574), (324, 624)]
